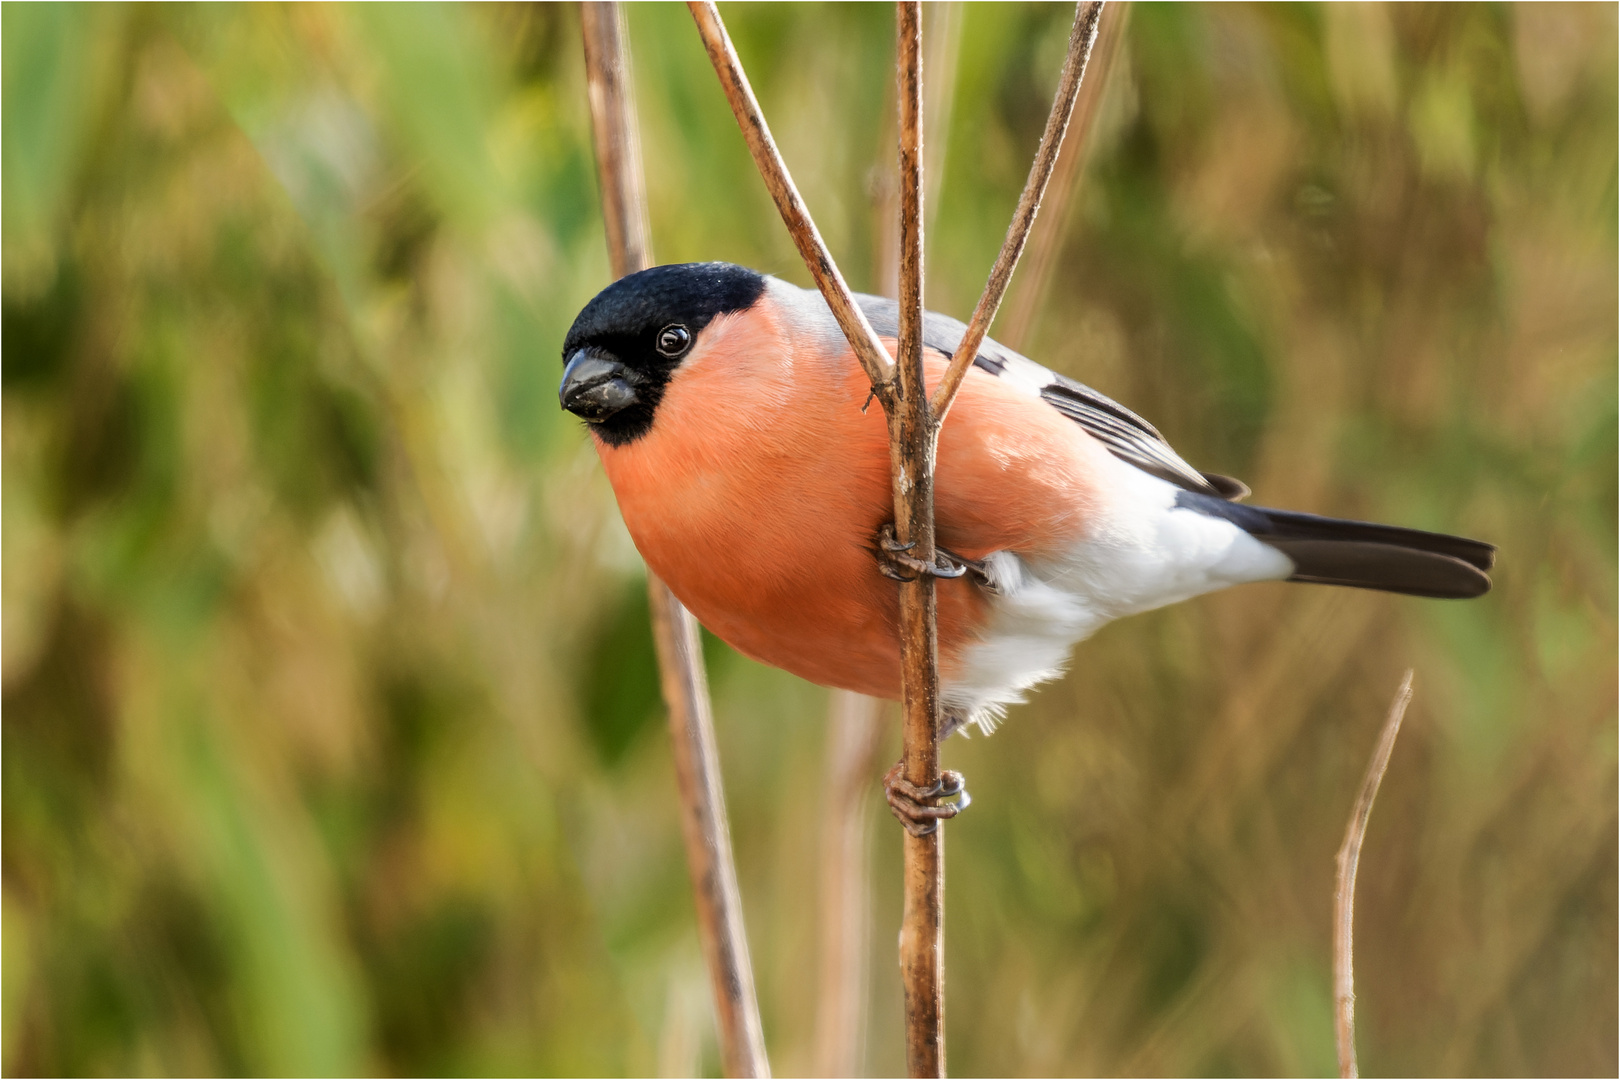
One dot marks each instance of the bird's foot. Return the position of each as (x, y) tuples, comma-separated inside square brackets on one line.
[(896, 561), (920, 809)]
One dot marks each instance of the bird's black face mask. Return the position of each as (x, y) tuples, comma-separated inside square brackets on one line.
[(627, 342)]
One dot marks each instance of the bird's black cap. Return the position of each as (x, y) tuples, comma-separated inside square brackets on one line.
[(625, 320)]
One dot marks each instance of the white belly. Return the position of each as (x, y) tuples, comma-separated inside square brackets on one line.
[(1141, 553)]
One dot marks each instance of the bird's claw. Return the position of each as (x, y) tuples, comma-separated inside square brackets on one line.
[(896, 562), (919, 809)]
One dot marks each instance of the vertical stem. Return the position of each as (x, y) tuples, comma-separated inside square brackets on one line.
[(855, 722), (680, 658), (1344, 891), (911, 442), (617, 137)]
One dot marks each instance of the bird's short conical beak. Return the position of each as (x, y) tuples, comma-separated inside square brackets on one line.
[(595, 385)]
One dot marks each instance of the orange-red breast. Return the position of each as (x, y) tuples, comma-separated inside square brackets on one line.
[(730, 415)]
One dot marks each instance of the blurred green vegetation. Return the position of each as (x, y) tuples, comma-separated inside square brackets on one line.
[(331, 738)]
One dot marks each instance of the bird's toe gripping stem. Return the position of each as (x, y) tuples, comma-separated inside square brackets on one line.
[(920, 809), (896, 561)]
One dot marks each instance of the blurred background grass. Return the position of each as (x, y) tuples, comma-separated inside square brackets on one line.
[(331, 732)]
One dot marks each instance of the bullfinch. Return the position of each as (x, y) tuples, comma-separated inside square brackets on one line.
[(730, 415)]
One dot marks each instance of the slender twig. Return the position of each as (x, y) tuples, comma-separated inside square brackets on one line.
[(680, 658), (942, 40), (708, 836), (854, 740), (911, 451), (855, 722), (734, 81), (1046, 239), (617, 138), (1344, 889), (1081, 38)]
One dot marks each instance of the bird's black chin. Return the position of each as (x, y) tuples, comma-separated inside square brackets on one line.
[(596, 386), (615, 399)]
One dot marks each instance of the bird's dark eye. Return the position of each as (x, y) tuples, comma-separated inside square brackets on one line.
[(673, 340)]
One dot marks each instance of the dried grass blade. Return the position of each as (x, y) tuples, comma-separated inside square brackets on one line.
[(1344, 891)]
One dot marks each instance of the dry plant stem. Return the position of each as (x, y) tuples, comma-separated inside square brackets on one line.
[(708, 836), (855, 724), (1081, 38), (911, 448), (1344, 891), (680, 659), (1046, 239), (617, 138), (757, 134), (854, 738)]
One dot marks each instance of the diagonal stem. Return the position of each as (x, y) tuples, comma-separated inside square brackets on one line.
[(680, 657), (768, 159), (1081, 38)]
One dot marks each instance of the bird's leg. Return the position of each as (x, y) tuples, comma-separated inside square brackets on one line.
[(919, 809), (896, 561)]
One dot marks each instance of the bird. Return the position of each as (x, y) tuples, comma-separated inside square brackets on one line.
[(733, 423)]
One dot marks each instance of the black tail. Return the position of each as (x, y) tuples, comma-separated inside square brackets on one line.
[(1359, 554)]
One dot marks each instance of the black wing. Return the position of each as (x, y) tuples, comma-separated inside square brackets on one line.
[(1126, 435)]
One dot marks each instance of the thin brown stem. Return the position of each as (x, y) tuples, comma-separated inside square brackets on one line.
[(708, 836), (854, 726), (757, 134), (1344, 890), (1046, 239), (617, 137), (911, 448), (680, 659), (1081, 38), (942, 37)]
